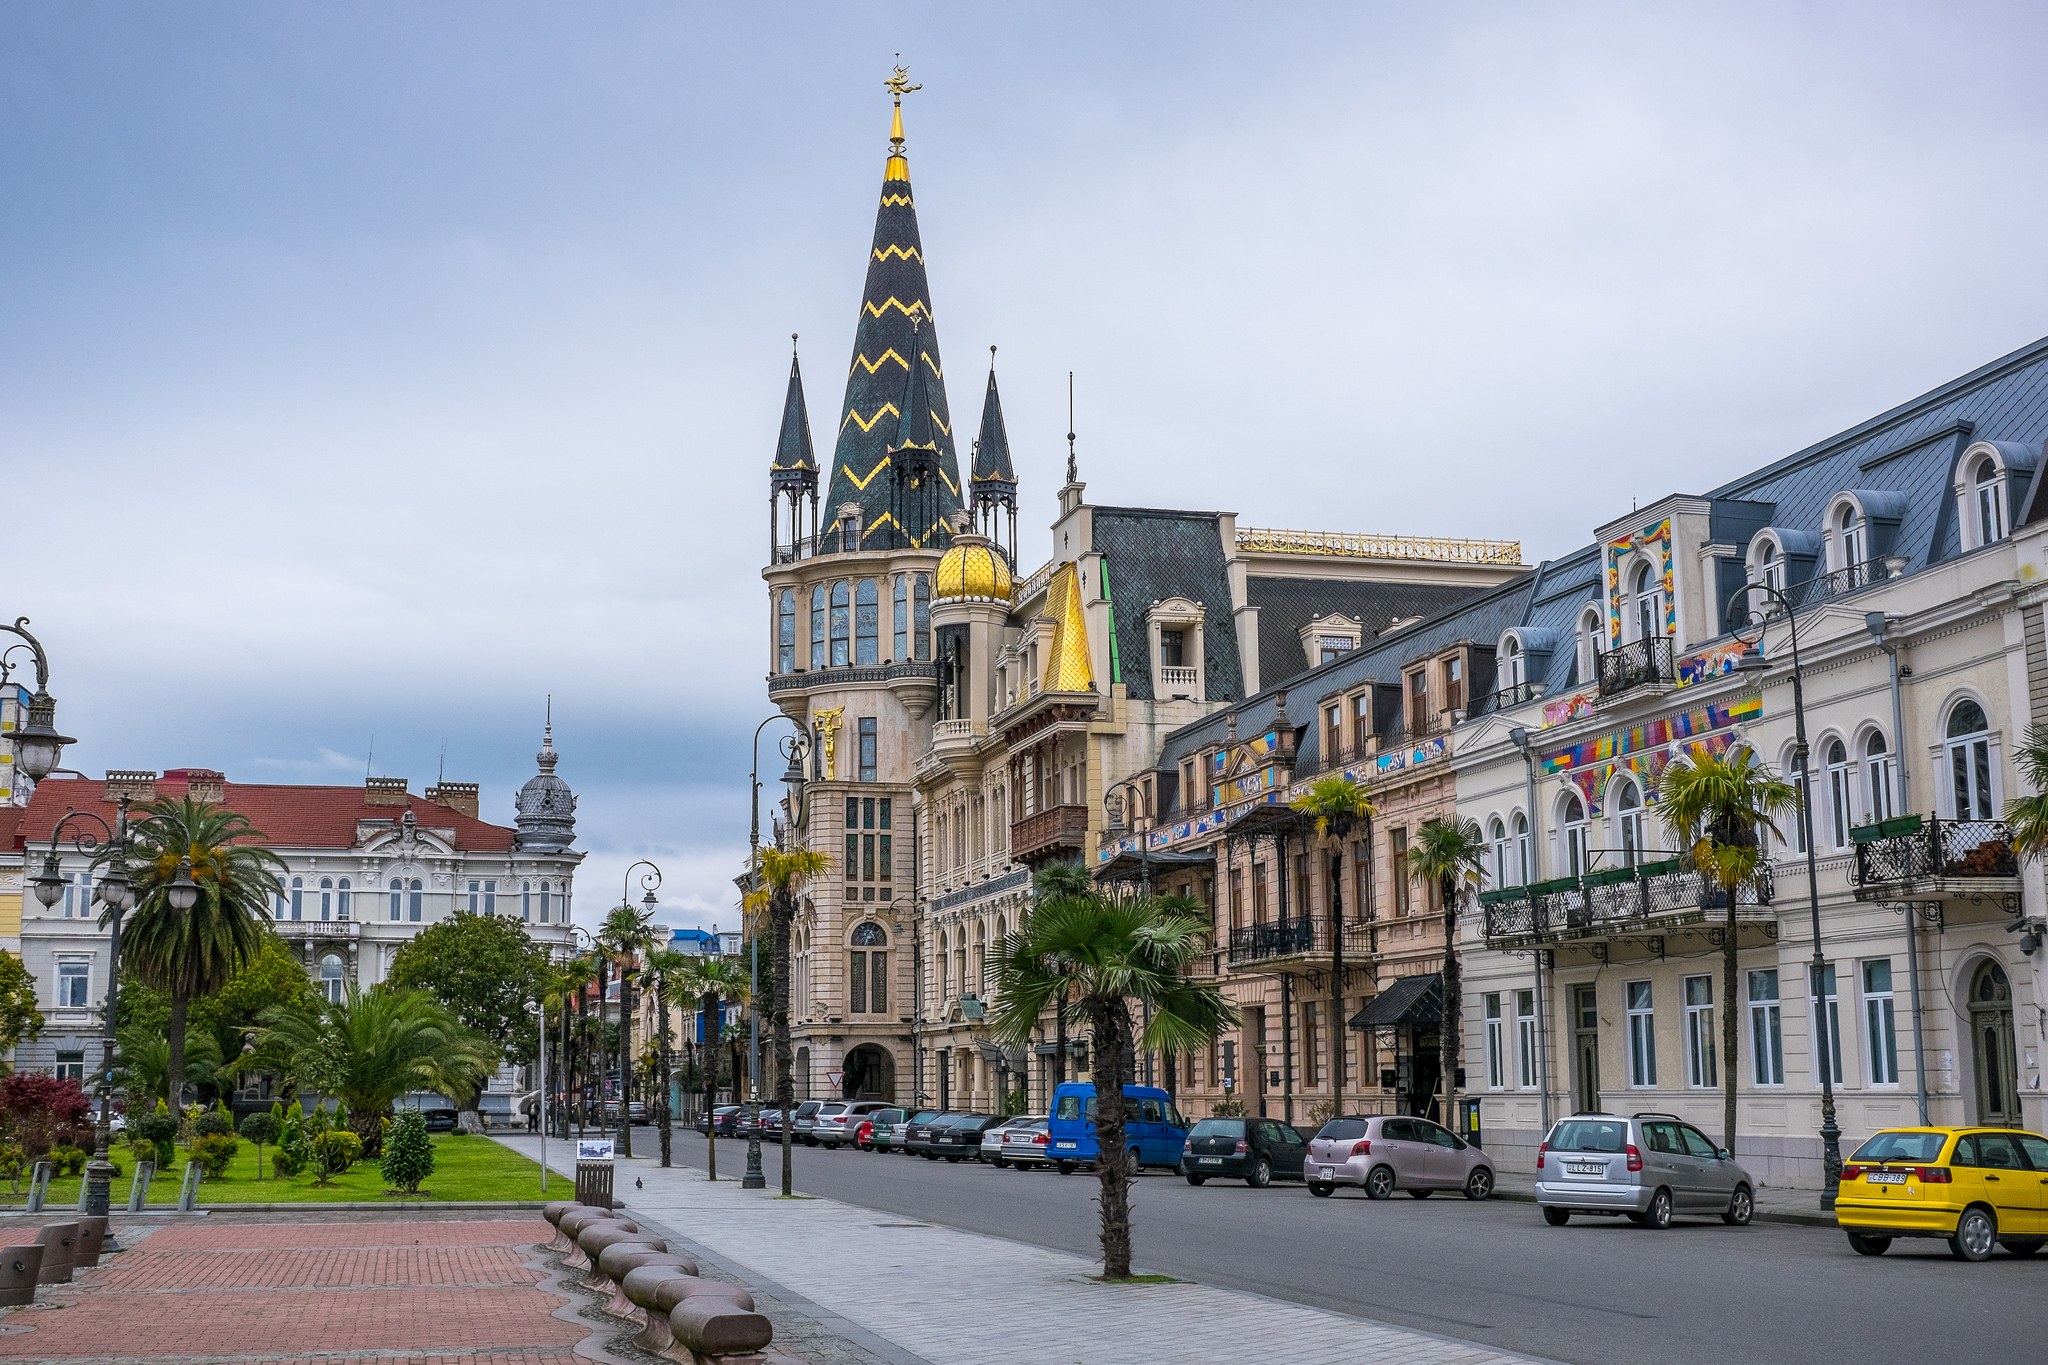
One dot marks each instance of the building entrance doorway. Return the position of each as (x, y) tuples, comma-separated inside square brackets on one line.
[(870, 1074), (1991, 1039), (1585, 1050)]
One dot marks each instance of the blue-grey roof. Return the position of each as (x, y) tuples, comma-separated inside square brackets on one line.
[(1152, 555)]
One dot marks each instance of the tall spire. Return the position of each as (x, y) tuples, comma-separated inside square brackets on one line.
[(793, 450), (894, 334), (994, 479), (793, 475), (546, 807)]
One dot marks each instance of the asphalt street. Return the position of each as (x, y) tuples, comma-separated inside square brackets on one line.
[(1597, 1291)]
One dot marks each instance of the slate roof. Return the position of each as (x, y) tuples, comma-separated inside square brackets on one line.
[(1286, 605), (1152, 555), (793, 452), (287, 816), (992, 472)]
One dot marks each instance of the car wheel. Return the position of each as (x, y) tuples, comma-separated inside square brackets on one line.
[(1557, 1218), (1740, 1209), (1065, 1167), (999, 1162), (1137, 1165), (1379, 1183), (1864, 1244), (1261, 1176), (1976, 1233), (1321, 1189), (2023, 1248), (1198, 1180), (1658, 1215), (1479, 1184)]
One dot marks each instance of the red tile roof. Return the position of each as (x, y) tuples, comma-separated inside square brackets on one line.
[(288, 817)]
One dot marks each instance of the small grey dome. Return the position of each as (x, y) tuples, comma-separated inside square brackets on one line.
[(547, 808)]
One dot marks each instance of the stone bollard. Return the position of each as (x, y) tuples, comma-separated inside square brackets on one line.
[(20, 1267), (709, 1330), (138, 1192), (597, 1236), (39, 1185), (656, 1292), (575, 1224), (92, 1237), (60, 1250), (623, 1258)]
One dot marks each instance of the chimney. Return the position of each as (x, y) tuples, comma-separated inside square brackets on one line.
[(384, 791), (457, 796), (204, 784), (135, 784)]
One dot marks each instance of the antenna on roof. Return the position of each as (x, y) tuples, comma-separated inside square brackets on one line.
[(442, 774), (1072, 476), (369, 758)]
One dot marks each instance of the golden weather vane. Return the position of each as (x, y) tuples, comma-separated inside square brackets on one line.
[(899, 84)]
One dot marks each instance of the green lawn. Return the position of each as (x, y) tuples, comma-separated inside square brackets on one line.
[(464, 1168)]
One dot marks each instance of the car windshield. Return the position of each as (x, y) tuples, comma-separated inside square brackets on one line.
[(829, 1109), (1070, 1107), (1343, 1128), (1224, 1128), (1589, 1135), (1917, 1147)]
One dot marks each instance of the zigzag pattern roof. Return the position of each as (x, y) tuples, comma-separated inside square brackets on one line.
[(793, 451), (992, 450), (885, 344)]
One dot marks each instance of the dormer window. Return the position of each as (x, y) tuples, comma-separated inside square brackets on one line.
[(1990, 490), (1173, 648), (1509, 668), (1588, 646), (1176, 630), (1771, 567), (1646, 599), (1852, 541)]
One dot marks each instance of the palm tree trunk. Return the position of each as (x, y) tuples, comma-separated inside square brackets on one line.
[(1335, 1026), (661, 1008), (1728, 1030), (625, 1067), (709, 1008), (174, 1078), (1112, 1161), (582, 1059), (1450, 1040), (783, 910)]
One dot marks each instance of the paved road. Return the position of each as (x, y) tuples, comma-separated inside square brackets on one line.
[(1597, 1291)]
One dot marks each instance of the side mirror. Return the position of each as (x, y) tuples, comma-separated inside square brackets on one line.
[(1724, 1154)]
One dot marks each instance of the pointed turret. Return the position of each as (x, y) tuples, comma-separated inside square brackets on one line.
[(895, 337), (547, 808), (793, 474), (994, 487)]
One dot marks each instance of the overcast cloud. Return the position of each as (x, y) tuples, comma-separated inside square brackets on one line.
[(375, 370)]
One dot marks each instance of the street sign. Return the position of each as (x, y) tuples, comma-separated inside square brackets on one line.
[(835, 1078), (593, 1149)]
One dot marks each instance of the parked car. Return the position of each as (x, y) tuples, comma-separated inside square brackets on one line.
[(1255, 1150), (1154, 1130), (440, 1117), (1977, 1188), (1381, 1154), (898, 1136), (995, 1143), (771, 1125), (638, 1108), (917, 1140), (874, 1129), (802, 1118), (1646, 1167), (838, 1122), (961, 1139), (725, 1118)]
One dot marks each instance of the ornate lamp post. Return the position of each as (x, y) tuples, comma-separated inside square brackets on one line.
[(540, 1018), (37, 745), (1753, 662), (649, 880), (794, 748)]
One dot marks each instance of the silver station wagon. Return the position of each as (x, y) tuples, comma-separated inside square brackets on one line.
[(1645, 1167)]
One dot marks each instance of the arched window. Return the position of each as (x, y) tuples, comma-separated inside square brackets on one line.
[(298, 898), (1841, 808), (327, 898), (1525, 871), (817, 627), (867, 976), (1509, 669), (1990, 502), (397, 899), (1969, 762), (1589, 647), (526, 900), (1628, 804), (413, 900), (343, 906), (945, 979), (867, 622), (1849, 538), (1497, 839), (785, 631), (1877, 775), (1771, 567), (842, 625), (330, 977), (921, 624), (870, 935), (1796, 774), (546, 896), (1576, 852), (1649, 603)]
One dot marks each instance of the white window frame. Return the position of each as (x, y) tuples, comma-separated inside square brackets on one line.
[(1841, 807), (326, 898), (1496, 1063), (333, 988), (1976, 796), (1880, 1025), (1575, 843), (1702, 1050), (1640, 999), (1879, 782), (1525, 1036), (1590, 635), (1525, 850), (1645, 615), (64, 979), (1508, 671), (1497, 837), (1766, 1031), (1831, 980), (1631, 821)]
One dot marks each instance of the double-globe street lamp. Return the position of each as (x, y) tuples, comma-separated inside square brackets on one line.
[(649, 882), (795, 748)]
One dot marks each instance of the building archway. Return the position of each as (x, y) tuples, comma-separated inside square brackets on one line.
[(870, 1074)]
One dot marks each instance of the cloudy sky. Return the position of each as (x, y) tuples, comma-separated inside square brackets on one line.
[(369, 372)]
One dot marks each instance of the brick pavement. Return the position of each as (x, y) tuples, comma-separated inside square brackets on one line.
[(379, 1289)]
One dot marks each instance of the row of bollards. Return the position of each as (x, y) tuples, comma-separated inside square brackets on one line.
[(138, 1190), (59, 1249)]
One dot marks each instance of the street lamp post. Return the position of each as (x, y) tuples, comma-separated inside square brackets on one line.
[(649, 881), (540, 1015), (1114, 808), (1752, 661), (794, 748)]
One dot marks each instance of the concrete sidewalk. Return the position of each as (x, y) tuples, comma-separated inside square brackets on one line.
[(919, 1294)]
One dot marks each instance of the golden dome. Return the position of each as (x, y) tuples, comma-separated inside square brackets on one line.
[(971, 570)]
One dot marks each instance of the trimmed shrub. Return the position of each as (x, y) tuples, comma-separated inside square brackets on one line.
[(261, 1129), (70, 1160), (334, 1152), (213, 1123), (160, 1129), (408, 1152), (216, 1152)]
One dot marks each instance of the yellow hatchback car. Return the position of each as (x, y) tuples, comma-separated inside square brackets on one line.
[(1977, 1187)]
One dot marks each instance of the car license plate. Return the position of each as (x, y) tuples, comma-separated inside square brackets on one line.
[(1586, 1167), (1064, 1146), (1210, 1160), (1886, 1177)]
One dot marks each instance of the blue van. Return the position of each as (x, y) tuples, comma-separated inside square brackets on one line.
[(1153, 1128)]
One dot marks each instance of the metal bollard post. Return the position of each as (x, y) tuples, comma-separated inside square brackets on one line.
[(138, 1193), (188, 1193), (39, 1186)]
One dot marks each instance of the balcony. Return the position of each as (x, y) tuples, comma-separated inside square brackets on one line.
[(1652, 898), (1910, 859), (1639, 663), (1515, 694), (866, 673), (1305, 944), (1055, 832), (1174, 677)]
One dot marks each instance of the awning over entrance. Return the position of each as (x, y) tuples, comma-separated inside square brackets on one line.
[(1406, 1000), (1129, 867)]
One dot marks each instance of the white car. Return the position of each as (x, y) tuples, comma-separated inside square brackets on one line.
[(1021, 1143), (837, 1123)]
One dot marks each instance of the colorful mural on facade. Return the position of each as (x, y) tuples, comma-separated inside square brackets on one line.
[(1575, 707), (1645, 749), (1708, 664), (1237, 774), (1655, 539)]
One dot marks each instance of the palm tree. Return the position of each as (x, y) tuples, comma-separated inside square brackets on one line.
[(1083, 954), (665, 969), (145, 1067), (194, 952), (573, 977), (775, 884), (714, 979), (372, 1047), (1448, 851), (1718, 808), (628, 935), (2027, 816), (1337, 804)]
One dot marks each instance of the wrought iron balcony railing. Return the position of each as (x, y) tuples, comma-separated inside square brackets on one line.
[(1639, 663), (1297, 938), (1910, 849), (1613, 899)]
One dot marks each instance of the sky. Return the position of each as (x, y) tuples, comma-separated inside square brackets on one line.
[(372, 372)]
